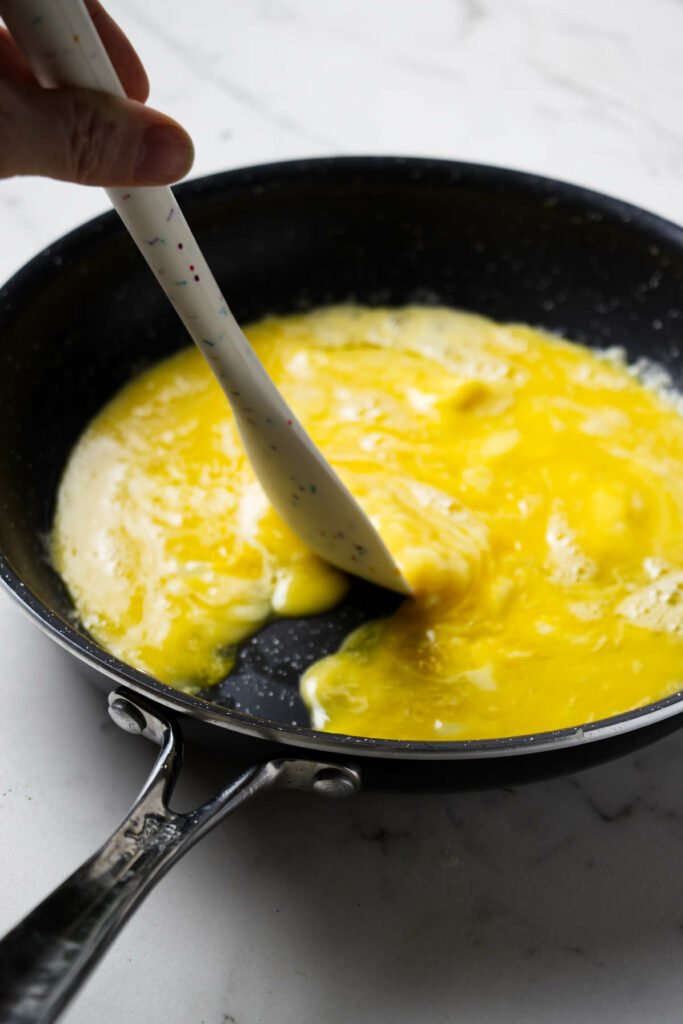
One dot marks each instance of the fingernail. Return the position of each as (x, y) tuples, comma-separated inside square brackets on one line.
[(167, 154)]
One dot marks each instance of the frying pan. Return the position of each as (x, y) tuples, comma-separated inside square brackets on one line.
[(286, 237)]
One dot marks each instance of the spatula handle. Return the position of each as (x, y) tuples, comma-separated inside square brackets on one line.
[(62, 47)]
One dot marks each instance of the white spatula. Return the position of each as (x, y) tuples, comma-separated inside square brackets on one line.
[(62, 47)]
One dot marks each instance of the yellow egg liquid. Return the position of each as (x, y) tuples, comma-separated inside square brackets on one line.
[(530, 490)]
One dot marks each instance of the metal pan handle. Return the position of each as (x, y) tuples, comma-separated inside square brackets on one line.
[(49, 954)]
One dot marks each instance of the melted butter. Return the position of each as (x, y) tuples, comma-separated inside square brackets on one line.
[(530, 490)]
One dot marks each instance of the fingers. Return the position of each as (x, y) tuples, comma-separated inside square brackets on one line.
[(128, 65), (83, 136), (89, 137), (13, 67), (124, 58)]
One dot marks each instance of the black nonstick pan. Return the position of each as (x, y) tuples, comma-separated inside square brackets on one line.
[(280, 238)]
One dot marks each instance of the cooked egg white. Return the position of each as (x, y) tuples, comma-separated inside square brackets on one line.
[(530, 490)]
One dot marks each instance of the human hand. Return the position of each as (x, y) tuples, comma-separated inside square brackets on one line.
[(85, 136)]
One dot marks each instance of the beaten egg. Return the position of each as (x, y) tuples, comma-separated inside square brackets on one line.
[(530, 490)]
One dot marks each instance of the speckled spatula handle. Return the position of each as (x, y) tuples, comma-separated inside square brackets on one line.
[(62, 46)]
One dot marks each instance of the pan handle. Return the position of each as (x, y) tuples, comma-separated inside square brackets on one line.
[(49, 954)]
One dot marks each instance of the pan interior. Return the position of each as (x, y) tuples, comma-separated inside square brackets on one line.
[(297, 236)]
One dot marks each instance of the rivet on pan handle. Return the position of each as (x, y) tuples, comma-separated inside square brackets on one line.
[(46, 956)]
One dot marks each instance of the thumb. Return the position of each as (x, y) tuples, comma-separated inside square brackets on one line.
[(89, 137)]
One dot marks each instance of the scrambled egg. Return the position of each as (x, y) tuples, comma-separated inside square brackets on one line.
[(530, 490)]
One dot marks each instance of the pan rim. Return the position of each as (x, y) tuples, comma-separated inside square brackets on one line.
[(121, 674), (86, 650)]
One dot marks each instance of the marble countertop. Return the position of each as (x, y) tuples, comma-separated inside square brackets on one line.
[(560, 901)]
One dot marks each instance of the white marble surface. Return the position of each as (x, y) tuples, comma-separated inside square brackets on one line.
[(559, 902)]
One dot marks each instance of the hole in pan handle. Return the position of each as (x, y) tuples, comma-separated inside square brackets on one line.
[(45, 957)]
